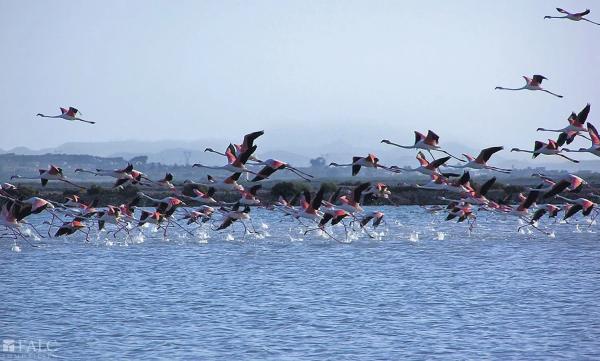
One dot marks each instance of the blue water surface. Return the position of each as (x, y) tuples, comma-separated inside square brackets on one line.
[(423, 288)]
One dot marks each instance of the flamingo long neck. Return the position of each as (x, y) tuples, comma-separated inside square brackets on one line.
[(521, 88)]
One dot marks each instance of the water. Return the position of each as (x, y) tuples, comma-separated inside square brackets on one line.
[(423, 289)]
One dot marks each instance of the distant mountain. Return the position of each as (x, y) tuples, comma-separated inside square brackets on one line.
[(298, 153)]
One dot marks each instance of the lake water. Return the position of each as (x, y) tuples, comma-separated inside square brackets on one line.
[(425, 289)]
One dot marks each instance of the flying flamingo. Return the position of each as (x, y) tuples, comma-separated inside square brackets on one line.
[(229, 184), (595, 147), (166, 205), (532, 84), (238, 149), (52, 173), (481, 161), (115, 173), (426, 167), (272, 165), (550, 148), (575, 127), (352, 204), (579, 204), (370, 161), (234, 215), (234, 164), (202, 197), (571, 16), (69, 228), (204, 214), (428, 143), (68, 114)]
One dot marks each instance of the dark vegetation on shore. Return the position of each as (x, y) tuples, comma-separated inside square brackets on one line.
[(401, 194)]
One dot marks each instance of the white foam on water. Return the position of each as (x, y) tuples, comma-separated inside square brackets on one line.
[(577, 229), (138, 238), (264, 226), (552, 235), (229, 237), (295, 239), (414, 237), (441, 236), (15, 248)]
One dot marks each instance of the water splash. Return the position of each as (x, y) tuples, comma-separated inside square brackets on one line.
[(15, 248), (229, 237), (414, 237), (441, 236)]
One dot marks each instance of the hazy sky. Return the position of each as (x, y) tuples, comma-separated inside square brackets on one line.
[(305, 71)]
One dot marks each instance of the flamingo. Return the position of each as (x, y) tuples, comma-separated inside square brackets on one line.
[(166, 182), (204, 214), (481, 161), (249, 198), (428, 143), (552, 211), (234, 164), (375, 216), (439, 182), (229, 184), (234, 215), (155, 218), (352, 204), (550, 148), (575, 127), (533, 83), (462, 211), (580, 204), (370, 161), (238, 149), (166, 205), (571, 16), (522, 209), (310, 210), (595, 138), (570, 182), (202, 197), (426, 167), (52, 173), (378, 190), (68, 114), (69, 228), (272, 165)]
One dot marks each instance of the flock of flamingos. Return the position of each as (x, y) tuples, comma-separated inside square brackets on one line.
[(319, 211)]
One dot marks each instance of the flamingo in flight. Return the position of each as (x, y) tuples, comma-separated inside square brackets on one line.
[(370, 161), (235, 164), (238, 149), (426, 167), (229, 184), (428, 143), (571, 16), (234, 214), (68, 114), (481, 161), (550, 148), (575, 127), (272, 165), (534, 83), (595, 138), (52, 173), (580, 204)]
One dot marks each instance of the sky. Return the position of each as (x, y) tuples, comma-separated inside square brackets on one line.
[(307, 72)]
